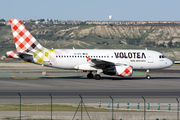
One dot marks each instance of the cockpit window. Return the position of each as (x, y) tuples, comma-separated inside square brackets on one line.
[(162, 56)]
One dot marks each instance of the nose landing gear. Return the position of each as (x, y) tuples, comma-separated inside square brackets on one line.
[(147, 75)]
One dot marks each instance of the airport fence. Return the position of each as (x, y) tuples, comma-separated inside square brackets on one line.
[(87, 108)]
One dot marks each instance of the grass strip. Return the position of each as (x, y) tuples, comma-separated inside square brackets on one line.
[(56, 107), (138, 73)]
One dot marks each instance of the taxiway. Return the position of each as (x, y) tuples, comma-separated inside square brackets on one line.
[(164, 83)]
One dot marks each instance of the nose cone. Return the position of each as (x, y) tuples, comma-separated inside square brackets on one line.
[(168, 63)]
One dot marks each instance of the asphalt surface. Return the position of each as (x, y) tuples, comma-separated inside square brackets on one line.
[(65, 86), (164, 83)]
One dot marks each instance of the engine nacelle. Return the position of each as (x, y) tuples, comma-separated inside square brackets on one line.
[(12, 54), (123, 71)]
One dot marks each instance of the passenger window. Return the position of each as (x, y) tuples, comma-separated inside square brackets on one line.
[(59, 56), (111, 56), (62, 56)]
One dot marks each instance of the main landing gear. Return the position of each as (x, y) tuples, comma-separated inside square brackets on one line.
[(90, 75), (147, 75), (96, 76)]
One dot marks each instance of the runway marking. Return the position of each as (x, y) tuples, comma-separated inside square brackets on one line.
[(50, 76), (33, 78), (29, 71), (18, 78), (39, 77)]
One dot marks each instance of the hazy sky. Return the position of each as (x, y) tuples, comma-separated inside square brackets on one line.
[(98, 10)]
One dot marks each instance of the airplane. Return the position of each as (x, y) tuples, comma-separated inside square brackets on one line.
[(119, 62)]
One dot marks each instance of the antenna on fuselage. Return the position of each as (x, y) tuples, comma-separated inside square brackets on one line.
[(145, 48), (73, 48)]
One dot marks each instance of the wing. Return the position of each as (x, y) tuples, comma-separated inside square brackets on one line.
[(97, 64), (105, 64)]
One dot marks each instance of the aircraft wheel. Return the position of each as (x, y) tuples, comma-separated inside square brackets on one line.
[(90, 76), (148, 76), (97, 77)]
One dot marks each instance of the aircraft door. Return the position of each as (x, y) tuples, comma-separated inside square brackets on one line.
[(150, 57)]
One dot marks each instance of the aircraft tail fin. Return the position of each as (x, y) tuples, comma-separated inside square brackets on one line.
[(24, 41)]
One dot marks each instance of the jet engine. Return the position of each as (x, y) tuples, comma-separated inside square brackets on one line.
[(123, 71)]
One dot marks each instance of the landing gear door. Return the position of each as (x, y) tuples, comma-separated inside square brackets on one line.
[(150, 57)]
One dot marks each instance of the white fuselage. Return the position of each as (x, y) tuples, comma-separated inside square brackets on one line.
[(139, 59)]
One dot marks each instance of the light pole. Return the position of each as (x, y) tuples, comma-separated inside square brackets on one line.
[(20, 105), (51, 105), (112, 106), (177, 109), (144, 108)]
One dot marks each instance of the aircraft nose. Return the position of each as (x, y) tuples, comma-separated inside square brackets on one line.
[(169, 63)]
